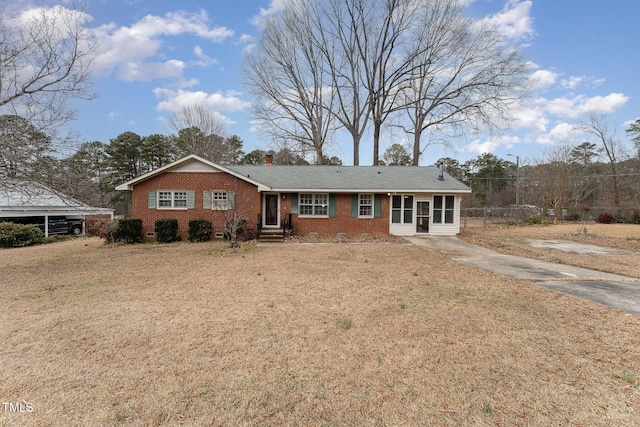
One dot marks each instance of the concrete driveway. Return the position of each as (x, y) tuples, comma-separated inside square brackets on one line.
[(609, 289)]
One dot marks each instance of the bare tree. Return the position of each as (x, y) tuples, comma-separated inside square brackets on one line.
[(380, 57), (552, 175), (45, 59), (294, 96), (340, 41), (598, 126), (384, 31), (464, 77), (198, 131)]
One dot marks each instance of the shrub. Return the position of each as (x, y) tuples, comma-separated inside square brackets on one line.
[(16, 235), (534, 219), (606, 218), (166, 230), (129, 230), (97, 227), (200, 230), (635, 219)]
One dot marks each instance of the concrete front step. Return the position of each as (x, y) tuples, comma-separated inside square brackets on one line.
[(271, 235)]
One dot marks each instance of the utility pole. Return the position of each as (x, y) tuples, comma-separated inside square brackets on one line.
[(517, 179)]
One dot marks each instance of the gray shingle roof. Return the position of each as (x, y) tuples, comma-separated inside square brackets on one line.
[(351, 178), (346, 179)]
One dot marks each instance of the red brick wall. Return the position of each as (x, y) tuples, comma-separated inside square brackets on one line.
[(342, 223), (247, 200)]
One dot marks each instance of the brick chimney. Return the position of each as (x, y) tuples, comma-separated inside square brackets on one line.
[(269, 160)]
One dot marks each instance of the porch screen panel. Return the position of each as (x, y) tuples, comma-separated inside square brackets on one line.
[(437, 209), (396, 209), (449, 208), (408, 209)]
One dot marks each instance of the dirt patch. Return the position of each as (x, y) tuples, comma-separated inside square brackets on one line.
[(619, 242), (351, 335)]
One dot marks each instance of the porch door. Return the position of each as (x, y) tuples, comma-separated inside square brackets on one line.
[(271, 210), (422, 216)]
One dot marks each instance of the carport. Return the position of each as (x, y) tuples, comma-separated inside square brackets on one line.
[(29, 202)]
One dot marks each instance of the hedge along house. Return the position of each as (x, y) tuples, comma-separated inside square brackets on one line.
[(327, 200)]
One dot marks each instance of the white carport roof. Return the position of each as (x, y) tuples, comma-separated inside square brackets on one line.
[(25, 199)]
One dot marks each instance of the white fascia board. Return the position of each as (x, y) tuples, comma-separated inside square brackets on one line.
[(365, 190)]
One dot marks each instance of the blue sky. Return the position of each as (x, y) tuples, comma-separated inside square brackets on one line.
[(156, 56)]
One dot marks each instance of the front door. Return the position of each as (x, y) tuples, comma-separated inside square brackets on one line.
[(271, 210), (422, 217)]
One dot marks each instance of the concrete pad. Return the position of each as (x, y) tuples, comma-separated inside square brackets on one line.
[(622, 295), (575, 247)]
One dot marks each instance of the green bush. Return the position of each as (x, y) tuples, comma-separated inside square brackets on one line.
[(166, 230), (534, 219), (129, 230), (16, 235), (200, 230)]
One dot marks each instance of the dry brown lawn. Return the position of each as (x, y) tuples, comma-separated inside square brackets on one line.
[(515, 240), (302, 335)]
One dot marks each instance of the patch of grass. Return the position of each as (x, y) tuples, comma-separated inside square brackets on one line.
[(345, 323), (487, 409), (630, 379)]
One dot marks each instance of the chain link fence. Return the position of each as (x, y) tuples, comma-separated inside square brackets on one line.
[(474, 217)]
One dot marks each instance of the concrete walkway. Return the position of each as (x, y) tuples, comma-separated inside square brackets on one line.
[(609, 289)]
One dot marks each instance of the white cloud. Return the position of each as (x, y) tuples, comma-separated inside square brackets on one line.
[(514, 20), (572, 82), (543, 78), (491, 145), (124, 50), (205, 60), (575, 81), (531, 117), (275, 7), (580, 105), (246, 39), (562, 131), (149, 71), (175, 100)]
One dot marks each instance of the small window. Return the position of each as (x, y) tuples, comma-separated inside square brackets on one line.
[(313, 204), (219, 200), (365, 206)]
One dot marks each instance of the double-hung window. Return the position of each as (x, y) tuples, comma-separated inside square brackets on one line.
[(219, 200), (365, 206), (443, 209), (402, 209), (172, 199), (313, 204)]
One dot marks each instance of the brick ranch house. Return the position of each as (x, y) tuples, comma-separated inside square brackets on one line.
[(327, 200)]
